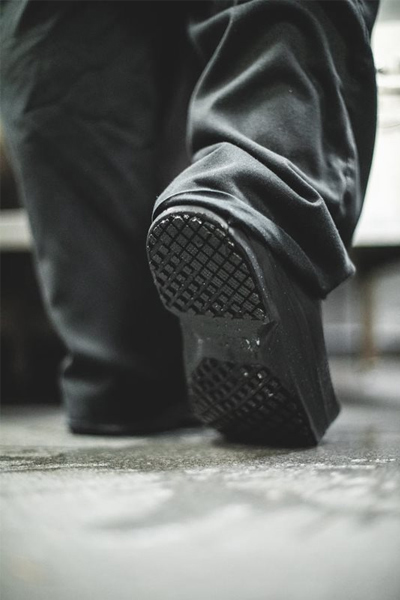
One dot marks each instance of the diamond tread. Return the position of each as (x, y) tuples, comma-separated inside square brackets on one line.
[(199, 272), (247, 401)]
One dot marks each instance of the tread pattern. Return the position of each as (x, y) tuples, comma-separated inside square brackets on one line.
[(247, 402), (199, 272)]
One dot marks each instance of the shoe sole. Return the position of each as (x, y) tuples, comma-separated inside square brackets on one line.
[(244, 375)]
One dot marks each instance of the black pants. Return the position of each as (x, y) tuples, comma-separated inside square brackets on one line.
[(280, 102)]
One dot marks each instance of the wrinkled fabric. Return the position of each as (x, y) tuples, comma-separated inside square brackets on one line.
[(81, 93), (282, 126), (95, 104)]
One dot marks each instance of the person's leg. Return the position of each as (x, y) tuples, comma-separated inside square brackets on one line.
[(282, 126), (81, 106)]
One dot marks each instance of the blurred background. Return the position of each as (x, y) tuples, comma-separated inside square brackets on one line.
[(362, 317)]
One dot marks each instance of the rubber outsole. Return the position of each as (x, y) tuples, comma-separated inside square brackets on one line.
[(235, 348)]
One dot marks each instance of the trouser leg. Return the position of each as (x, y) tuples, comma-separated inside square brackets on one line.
[(81, 105), (282, 126)]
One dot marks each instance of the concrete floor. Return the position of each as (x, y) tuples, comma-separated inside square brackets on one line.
[(186, 517)]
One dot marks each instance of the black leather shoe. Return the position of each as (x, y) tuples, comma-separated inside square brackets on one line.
[(117, 403), (95, 420), (255, 355)]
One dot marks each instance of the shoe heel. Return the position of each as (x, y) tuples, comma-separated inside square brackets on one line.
[(245, 376)]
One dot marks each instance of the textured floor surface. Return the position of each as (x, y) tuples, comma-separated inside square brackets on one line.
[(186, 517)]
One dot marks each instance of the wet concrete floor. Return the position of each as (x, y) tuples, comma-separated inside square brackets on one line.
[(185, 516)]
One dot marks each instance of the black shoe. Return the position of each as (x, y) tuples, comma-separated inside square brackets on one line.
[(255, 355), (157, 407)]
